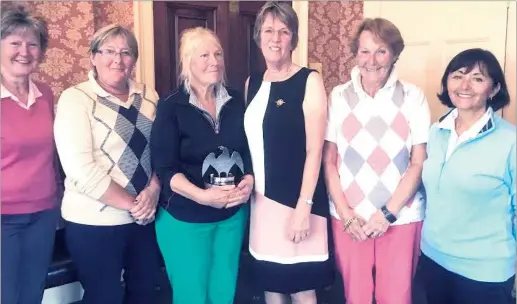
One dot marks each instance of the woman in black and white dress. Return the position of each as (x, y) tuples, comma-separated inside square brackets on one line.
[(285, 125)]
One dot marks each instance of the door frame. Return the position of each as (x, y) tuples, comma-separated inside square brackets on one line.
[(144, 32)]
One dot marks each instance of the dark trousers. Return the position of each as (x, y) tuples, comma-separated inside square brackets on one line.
[(27, 244), (102, 252), (445, 287)]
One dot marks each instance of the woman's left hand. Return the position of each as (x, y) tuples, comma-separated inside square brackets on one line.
[(377, 225), (241, 193), (299, 226), (146, 202)]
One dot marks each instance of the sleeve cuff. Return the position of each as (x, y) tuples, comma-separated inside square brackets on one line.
[(101, 188), (330, 135)]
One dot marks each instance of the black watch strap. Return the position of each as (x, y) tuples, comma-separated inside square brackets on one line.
[(388, 215)]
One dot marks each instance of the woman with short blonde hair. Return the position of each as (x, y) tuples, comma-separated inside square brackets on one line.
[(201, 156), (103, 128)]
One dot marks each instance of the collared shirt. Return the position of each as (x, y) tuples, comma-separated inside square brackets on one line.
[(355, 78), (454, 140), (221, 97), (33, 95), (374, 138), (469, 226), (134, 88), (101, 139)]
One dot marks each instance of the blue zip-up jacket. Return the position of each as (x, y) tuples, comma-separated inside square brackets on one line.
[(181, 140), (469, 225)]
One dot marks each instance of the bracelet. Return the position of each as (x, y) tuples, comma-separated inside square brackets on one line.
[(306, 200), (349, 222)]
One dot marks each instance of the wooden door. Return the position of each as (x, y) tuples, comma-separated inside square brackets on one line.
[(233, 23), (245, 57), (170, 19)]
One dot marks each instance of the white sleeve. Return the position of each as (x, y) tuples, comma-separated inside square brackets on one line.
[(420, 119), (74, 142), (332, 128)]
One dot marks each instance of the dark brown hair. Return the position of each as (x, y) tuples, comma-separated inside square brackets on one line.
[(488, 64)]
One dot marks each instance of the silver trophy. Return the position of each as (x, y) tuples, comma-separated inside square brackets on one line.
[(222, 164)]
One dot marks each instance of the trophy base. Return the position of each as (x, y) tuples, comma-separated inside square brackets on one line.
[(220, 181)]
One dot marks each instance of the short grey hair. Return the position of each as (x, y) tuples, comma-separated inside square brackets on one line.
[(17, 18), (110, 31), (281, 11)]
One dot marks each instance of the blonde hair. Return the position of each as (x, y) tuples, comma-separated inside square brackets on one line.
[(190, 40), (108, 32)]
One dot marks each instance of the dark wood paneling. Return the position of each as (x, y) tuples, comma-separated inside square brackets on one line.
[(170, 20)]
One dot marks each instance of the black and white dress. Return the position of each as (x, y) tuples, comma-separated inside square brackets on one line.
[(275, 127)]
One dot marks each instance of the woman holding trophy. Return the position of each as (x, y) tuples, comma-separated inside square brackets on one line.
[(201, 156)]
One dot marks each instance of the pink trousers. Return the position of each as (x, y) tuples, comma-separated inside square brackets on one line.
[(394, 256)]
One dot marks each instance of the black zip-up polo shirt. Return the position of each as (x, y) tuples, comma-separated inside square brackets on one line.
[(182, 137)]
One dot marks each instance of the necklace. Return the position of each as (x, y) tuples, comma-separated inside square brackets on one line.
[(284, 75)]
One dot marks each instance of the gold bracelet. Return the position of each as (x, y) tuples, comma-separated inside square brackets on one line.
[(349, 222)]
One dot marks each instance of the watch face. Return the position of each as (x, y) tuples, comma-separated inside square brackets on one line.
[(222, 167)]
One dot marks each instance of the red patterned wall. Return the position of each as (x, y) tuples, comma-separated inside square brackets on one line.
[(71, 25), (331, 26)]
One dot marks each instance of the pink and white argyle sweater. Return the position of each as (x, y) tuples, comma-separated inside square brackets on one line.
[(374, 137)]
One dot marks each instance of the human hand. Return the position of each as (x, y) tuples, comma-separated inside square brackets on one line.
[(145, 204), (377, 225), (299, 226), (216, 196), (353, 226), (241, 193)]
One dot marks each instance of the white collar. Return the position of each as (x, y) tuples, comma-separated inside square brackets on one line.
[(34, 93), (448, 122), (134, 88), (356, 79)]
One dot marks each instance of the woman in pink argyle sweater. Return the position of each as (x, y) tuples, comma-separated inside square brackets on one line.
[(375, 147)]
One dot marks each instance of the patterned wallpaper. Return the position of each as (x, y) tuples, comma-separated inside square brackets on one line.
[(71, 25), (331, 26)]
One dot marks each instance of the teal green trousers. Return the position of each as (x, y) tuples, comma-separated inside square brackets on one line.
[(202, 259)]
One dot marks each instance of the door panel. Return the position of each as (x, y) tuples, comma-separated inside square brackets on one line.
[(245, 55), (171, 19)]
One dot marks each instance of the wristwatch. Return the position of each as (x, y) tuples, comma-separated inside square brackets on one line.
[(388, 215)]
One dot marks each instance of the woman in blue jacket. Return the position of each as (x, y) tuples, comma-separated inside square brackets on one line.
[(468, 237)]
